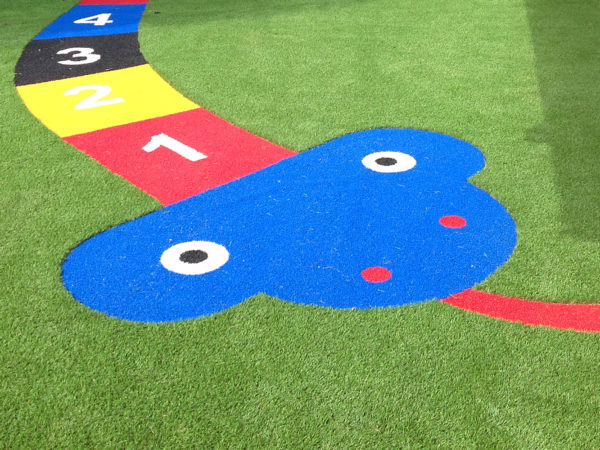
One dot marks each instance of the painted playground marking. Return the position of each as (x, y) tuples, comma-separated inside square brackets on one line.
[(310, 229), (372, 219)]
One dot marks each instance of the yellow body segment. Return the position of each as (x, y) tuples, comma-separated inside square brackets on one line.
[(93, 102)]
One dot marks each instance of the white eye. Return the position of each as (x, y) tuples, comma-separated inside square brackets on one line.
[(194, 257), (389, 162)]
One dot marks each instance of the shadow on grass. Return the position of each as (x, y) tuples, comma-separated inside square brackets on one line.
[(566, 41)]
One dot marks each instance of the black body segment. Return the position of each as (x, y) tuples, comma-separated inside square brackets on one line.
[(57, 59)]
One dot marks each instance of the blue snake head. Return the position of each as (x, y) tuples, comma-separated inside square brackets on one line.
[(376, 218)]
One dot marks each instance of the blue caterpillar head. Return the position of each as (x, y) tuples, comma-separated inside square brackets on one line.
[(372, 219)]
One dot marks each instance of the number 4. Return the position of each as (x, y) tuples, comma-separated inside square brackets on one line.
[(162, 140), (98, 20)]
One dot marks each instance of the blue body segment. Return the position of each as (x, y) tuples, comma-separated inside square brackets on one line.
[(124, 19), (304, 229)]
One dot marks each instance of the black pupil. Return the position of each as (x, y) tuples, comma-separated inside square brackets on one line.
[(193, 256), (386, 161)]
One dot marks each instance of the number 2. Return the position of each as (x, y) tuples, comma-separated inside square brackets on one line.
[(99, 20), (94, 100), (80, 52)]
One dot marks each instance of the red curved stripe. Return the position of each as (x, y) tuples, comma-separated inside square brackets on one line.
[(579, 317)]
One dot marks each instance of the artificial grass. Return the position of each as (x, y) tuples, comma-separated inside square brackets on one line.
[(303, 73), (270, 373)]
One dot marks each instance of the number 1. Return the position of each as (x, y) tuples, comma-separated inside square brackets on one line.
[(162, 140)]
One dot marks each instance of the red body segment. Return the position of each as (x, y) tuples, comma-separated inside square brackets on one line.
[(228, 153)]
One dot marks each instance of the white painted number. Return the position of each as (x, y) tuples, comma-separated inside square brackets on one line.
[(99, 20), (162, 140), (94, 100), (79, 52)]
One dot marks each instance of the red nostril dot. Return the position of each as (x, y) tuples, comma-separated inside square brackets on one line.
[(376, 274), (452, 221)]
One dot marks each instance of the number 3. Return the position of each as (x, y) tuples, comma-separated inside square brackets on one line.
[(94, 100), (80, 52)]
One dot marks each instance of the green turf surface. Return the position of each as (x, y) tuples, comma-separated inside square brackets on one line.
[(519, 79)]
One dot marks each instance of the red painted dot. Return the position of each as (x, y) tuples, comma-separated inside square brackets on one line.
[(376, 274), (452, 221)]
